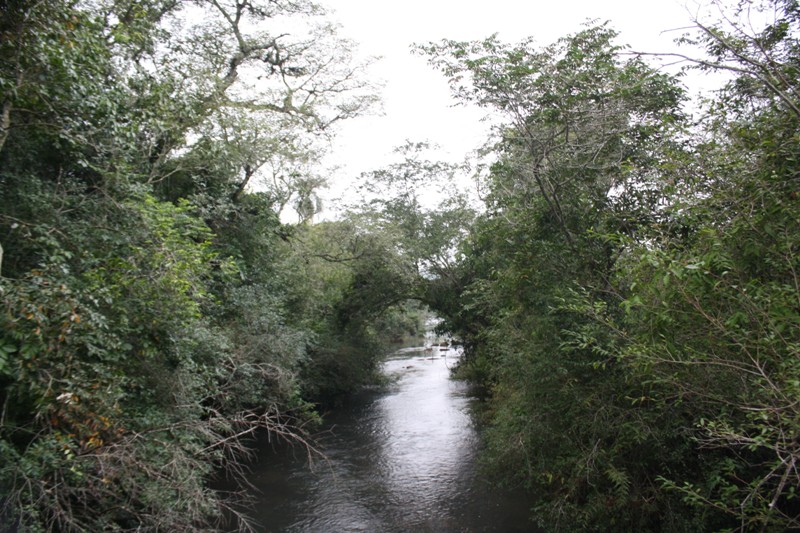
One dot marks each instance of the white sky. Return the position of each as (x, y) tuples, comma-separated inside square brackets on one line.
[(416, 99)]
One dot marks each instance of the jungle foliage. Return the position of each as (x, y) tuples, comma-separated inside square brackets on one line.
[(155, 310), (630, 296)]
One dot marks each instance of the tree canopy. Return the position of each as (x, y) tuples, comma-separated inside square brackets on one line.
[(156, 311), (630, 295), (627, 293)]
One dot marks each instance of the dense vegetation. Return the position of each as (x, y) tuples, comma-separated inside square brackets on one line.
[(628, 294), (631, 295), (155, 310)]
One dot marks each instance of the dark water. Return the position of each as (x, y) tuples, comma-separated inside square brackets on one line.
[(399, 460)]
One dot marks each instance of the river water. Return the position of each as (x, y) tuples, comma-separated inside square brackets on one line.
[(402, 459)]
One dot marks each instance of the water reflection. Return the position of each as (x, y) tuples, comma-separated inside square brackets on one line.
[(397, 461)]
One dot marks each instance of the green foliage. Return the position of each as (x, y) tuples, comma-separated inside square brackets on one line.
[(355, 287), (422, 205), (151, 320), (583, 123), (630, 296)]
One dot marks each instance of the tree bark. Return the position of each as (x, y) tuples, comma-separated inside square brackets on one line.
[(5, 123)]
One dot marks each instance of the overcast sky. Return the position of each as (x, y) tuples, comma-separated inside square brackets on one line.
[(416, 99)]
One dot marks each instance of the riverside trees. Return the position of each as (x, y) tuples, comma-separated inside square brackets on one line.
[(630, 296), (576, 162), (153, 314)]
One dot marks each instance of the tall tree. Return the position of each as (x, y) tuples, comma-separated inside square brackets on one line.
[(715, 315), (580, 156), (147, 320)]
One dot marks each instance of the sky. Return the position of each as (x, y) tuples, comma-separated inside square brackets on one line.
[(416, 101)]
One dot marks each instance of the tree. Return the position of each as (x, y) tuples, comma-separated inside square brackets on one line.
[(714, 316), (580, 158), (423, 203), (579, 120), (147, 326), (630, 295)]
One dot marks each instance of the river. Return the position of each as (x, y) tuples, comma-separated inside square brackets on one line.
[(402, 459)]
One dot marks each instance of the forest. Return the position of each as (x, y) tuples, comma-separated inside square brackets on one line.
[(627, 288)]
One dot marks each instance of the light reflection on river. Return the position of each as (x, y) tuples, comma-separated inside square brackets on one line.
[(398, 460)]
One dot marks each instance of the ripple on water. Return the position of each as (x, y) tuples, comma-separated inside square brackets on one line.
[(402, 460)]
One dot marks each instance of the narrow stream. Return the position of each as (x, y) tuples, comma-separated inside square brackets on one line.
[(399, 460)]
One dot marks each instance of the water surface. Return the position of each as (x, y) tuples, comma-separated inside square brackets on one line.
[(401, 459)]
